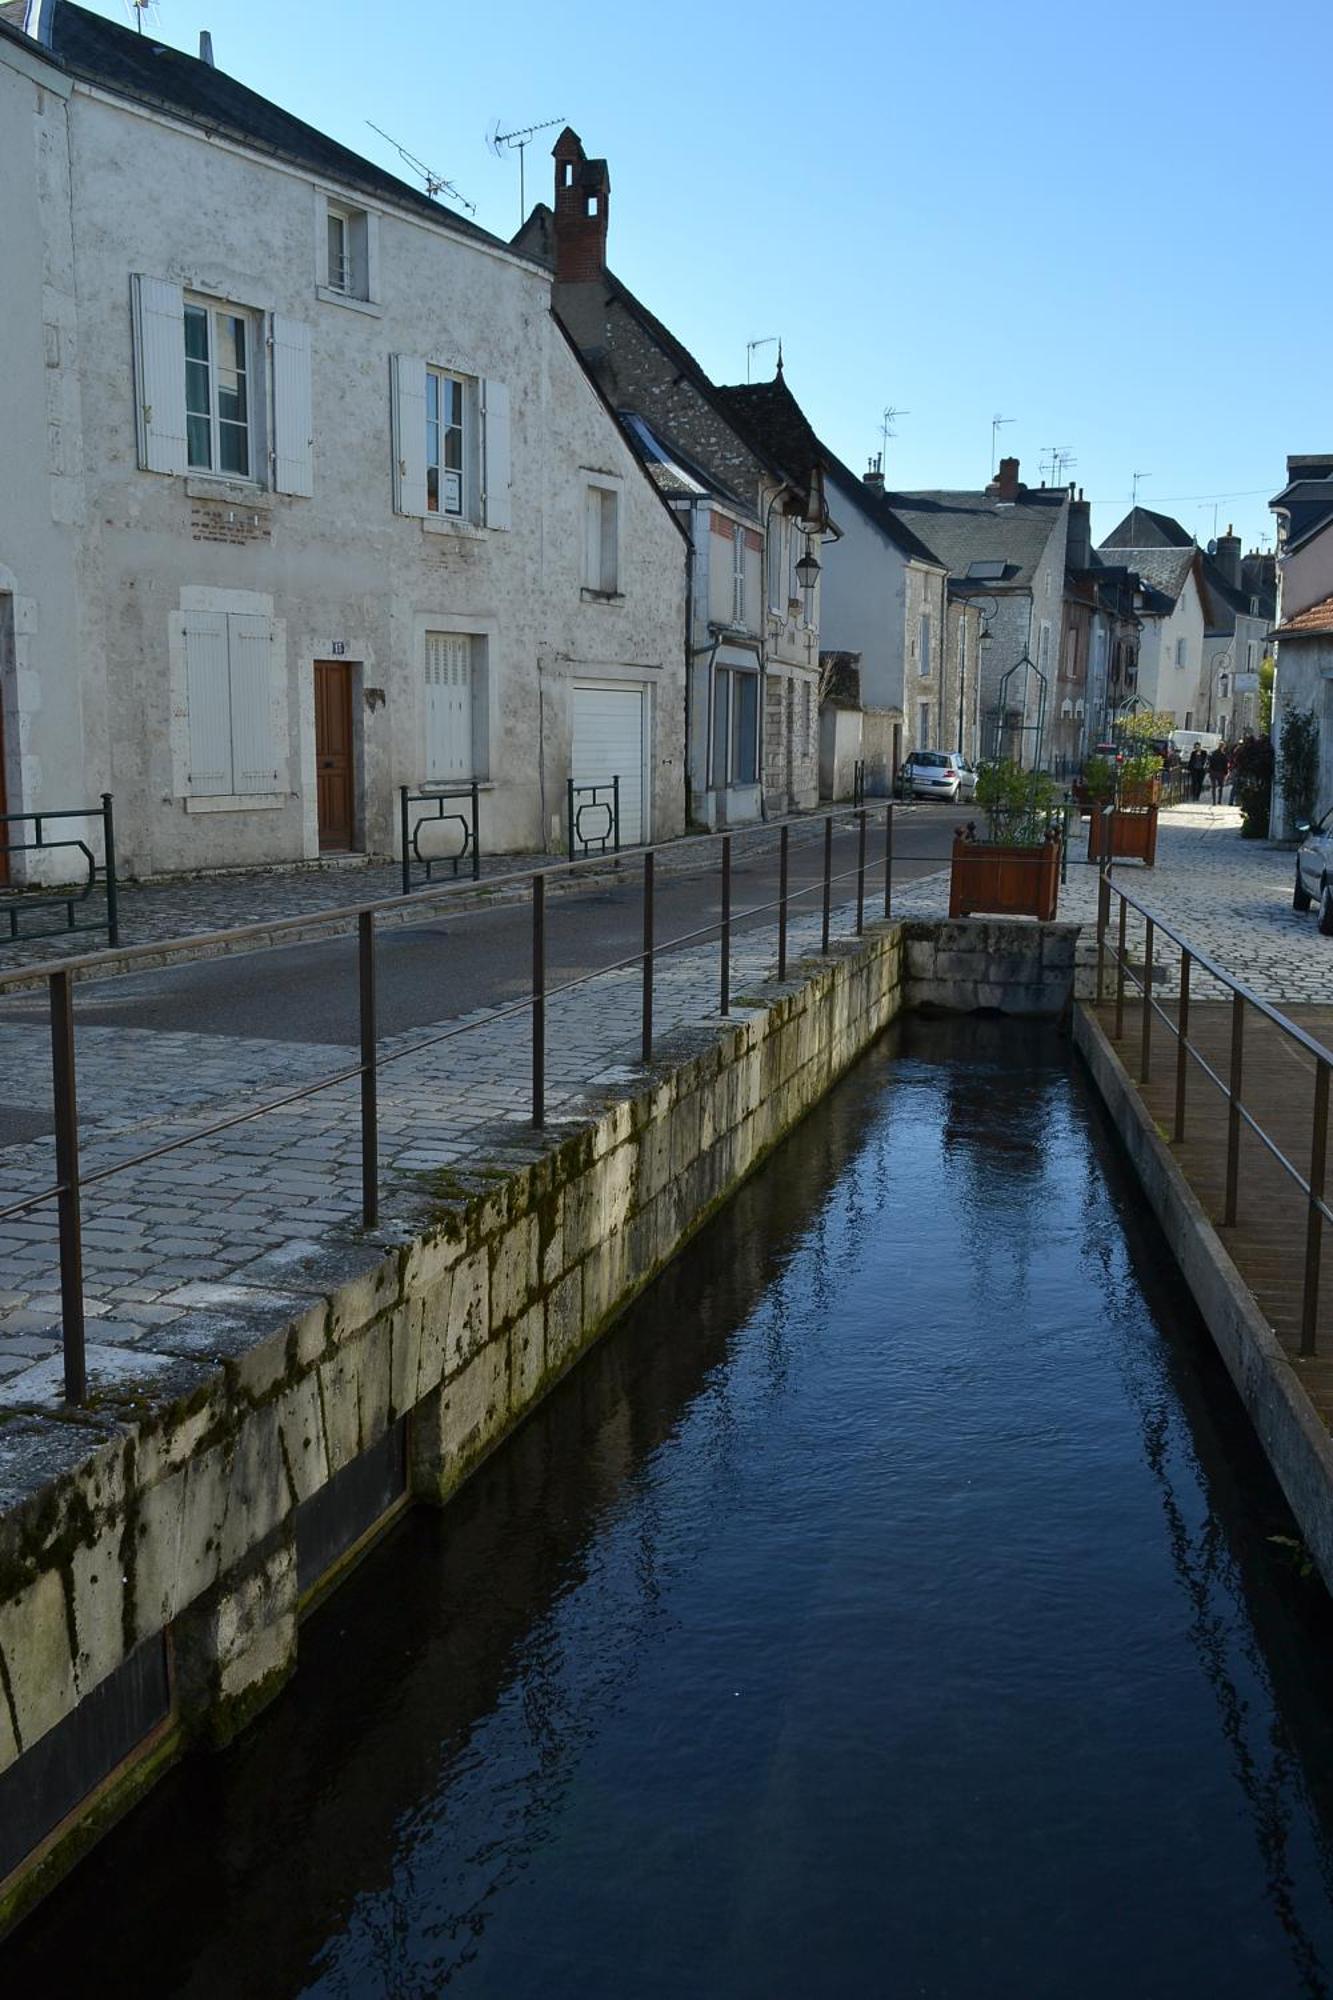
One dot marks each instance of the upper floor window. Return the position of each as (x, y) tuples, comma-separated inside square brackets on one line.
[(449, 427), (601, 540), (218, 350), (923, 644), (345, 249), (737, 574), (450, 444), (1182, 651)]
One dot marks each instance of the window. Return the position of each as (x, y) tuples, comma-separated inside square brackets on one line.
[(1044, 646), (601, 540), (989, 570), (217, 390), (923, 724), (735, 727), (776, 593), (1250, 650), (923, 644), (229, 696), (200, 389), (451, 444), (1182, 649), (346, 251), (1189, 719), (340, 252), (737, 574), (450, 739)]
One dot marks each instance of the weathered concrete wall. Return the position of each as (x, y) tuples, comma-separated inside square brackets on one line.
[(1296, 1443), (972, 964)]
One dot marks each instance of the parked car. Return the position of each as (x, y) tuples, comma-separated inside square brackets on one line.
[(940, 774), (1314, 870)]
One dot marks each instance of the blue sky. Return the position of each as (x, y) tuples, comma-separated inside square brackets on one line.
[(1108, 224)]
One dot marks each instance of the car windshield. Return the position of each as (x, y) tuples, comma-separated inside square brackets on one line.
[(935, 758)]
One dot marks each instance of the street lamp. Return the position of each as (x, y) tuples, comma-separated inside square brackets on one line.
[(1217, 666), (807, 569)]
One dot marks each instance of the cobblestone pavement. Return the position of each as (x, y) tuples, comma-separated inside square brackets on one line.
[(183, 1251)]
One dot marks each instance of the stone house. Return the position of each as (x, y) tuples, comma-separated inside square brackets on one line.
[(1305, 680), (296, 506), (753, 620), (1005, 551), (887, 596), (1304, 511)]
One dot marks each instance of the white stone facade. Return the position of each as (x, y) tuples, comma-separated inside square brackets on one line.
[(125, 591)]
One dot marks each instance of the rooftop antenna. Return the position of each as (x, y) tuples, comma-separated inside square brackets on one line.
[(1061, 459), (886, 430), (769, 340), (435, 184), (517, 142), (138, 8), (997, 424), (1134, 496)]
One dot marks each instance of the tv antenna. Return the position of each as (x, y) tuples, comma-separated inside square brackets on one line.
[(753, 346), (518, 141), (435, 184), (886, 430), (1134, 495), (997, 424), (1061, 458), (136, 9)]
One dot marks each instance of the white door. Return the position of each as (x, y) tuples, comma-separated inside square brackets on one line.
[(610, 733)]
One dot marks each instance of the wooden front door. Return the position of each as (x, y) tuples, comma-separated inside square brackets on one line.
[(333, 755)]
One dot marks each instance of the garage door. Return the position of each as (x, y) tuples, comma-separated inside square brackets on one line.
[(609, 730)]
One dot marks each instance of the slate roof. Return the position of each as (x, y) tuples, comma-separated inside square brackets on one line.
[(1164, 570), (140, 67), (672, 470), (1315, 622), (1308, 504), (768, 414), (963, 528), (1143, 529), (872, 502)]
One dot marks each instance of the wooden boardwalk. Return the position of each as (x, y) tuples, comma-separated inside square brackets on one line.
[(1267, 1241)]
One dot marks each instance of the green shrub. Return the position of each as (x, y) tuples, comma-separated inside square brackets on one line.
[(1099, 779), (1300, 761), (1018, 804), (1254, 786)]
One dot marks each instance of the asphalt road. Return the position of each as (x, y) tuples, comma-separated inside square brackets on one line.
[(450, 965)]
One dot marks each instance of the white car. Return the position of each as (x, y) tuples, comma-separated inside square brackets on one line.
[(1314, 870), (940, 774)]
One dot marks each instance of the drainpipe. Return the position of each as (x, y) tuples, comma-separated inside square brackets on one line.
[(689, 660)]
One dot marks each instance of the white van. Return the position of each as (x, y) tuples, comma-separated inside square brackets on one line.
[(1185, 740)]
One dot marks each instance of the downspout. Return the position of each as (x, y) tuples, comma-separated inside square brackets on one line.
[(689, 664)]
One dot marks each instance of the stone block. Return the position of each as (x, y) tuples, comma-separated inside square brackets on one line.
[(468, 1324), (428, 1259), (514, 1272), (98, 1605), (301, 1437), (34, 1644), (234, 1650), (527, 1357), (564, 1319), (454, 1426), (177, 1540)]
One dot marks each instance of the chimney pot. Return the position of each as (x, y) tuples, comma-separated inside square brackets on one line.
[(206, 47)]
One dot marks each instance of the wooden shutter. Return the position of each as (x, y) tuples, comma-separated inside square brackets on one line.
[(250, 650), (448, 707), (498, 499), (293, 422), (408, 376), (159, 366), (208, 702)]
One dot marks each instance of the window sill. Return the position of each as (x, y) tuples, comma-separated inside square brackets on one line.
[(601, 596), (239, 492), (433, 788), (452, 524), (336, 298), (231, 802)]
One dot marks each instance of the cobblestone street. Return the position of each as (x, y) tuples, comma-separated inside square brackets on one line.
[(183, 1251)]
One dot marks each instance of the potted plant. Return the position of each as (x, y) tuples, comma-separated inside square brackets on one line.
[(1133, 824), (1095, 786), (1141, 780), (1012, 870)]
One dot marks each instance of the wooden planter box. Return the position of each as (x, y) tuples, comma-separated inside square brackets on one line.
[(1148, 792), (1133, 834), (1004, 881)]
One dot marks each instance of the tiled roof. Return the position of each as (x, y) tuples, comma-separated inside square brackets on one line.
[(768, 414), (966, 528), (1142, 529), (1315, 622), (139, 66), (1164, 569)]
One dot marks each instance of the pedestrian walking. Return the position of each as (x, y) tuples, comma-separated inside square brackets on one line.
[(1198, 770), (1217, 771)]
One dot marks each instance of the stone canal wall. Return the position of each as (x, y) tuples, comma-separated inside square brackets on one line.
[(151, 1586)]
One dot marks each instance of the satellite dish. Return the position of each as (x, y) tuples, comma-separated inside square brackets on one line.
[(1212, 548)]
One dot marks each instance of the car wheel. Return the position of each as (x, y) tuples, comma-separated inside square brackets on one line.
[(1301, 898), (1326, 909)]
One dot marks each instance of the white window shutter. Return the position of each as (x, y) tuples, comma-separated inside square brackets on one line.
[(208, 702), (253, 758), (159, 365), (409, 434), (293, 419), (448, 707), (610, 524), (592, 539), (499, 511)]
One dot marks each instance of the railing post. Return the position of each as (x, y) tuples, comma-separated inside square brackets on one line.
[(648, 955), (1122, 945), (783, 844), (860, 871), (109, 850), (370, 1139), (403, 828), (1314, 1226), (476, 833), (1182, 1042), (1064, 845), (888, 859), (1103, 919), (1145, 1037), (615, 808), (726, 924), (570, 815), (539, 999), (1233, 1105), (67, 1173), (828, 877)]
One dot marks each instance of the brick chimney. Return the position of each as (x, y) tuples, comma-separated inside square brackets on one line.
[(1007, 486), (1227, 556), (1078, 543), (582, 206), (874, 475)]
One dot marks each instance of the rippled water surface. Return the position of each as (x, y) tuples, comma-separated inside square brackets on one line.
[(891, 1607)]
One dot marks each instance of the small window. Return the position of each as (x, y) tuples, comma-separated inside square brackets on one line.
[(737, 574), (1182, 649), (340, 262), (601, 545), (218, 362), (447, 429), (988, 570), (346, 251), (923, 644)]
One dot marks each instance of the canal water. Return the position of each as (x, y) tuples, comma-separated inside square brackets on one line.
[(897, 1604)]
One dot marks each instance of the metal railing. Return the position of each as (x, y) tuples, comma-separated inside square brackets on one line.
[(592, 801), (1239, 1115), (18, 900), (66, 1192), (409, 831)]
